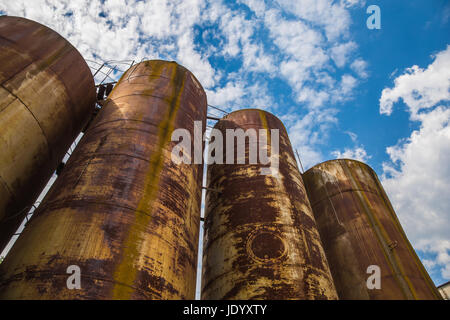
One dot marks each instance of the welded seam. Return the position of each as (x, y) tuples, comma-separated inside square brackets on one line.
[(36, 60), (151, 75), (267, 265), (104, 156), (37, 121), (3, 182), (132, 120), (246, 226), (21, 275), (342, 192), (24, 67), (66, 204), (100, 144), (5, 107), (165, 98), (216, 204), (118, 120)]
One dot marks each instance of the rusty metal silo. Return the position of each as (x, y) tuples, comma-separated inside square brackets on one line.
[(261, 239), (47, 94), (359, 228), (121, 210)]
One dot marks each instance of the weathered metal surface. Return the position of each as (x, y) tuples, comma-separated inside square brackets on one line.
[(359, 228), (46, 96), (121, 210), (261, 239)]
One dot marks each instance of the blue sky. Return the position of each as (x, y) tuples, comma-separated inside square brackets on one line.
[(342, 90)]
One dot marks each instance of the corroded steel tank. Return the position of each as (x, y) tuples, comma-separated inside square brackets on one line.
[(359, 228), (121, 210), (261, 239), (47, 94)]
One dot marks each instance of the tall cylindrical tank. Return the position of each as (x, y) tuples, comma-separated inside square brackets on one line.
[(362, 235), (47, 94), (261, 239), (122, 211)]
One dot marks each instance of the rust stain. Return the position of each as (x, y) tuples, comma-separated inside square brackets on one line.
[(261, 240), (126, 272), (358, 227), (121, 209), (399, 228), (46, 95), (383, 238)]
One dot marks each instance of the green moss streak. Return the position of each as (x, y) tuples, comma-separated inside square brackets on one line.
[(127, 269)]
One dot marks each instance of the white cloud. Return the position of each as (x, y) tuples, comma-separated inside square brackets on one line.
[(308, 131), (417, 178), (312, 97), (194, 61), (348, 83), (340, 53), (232, 92), (124, 29), (236, 95), (331, 16), (351, 3), (358, 153), (255, 59), (352, 136), (307, 49), (359, 66), (441, 258), (300, 51), (299, 48), (420, 88), (259, 93), (257, 6), (236, 29)]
